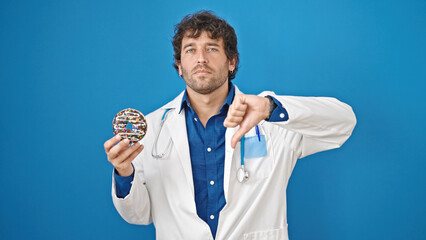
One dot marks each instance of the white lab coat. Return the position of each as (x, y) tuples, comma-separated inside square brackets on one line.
[(163, 192)]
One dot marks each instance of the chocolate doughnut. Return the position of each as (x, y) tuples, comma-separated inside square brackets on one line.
[(130, 124)]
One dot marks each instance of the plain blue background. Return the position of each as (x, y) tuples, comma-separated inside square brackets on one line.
[(68, 66)]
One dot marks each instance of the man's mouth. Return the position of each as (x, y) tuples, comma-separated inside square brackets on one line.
[(202, 71)]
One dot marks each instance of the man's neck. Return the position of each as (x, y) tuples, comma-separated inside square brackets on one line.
[(207, 105)]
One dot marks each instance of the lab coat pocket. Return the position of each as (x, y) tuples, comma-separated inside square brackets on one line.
[(273, 234), (257, 161), (255, 147)]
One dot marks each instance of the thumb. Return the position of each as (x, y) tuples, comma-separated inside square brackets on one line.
[(238, 135)]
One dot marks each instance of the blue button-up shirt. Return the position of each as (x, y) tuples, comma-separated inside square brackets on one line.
[(207, 152)]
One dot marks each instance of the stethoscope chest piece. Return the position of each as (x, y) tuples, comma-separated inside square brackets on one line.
[(242, 174)]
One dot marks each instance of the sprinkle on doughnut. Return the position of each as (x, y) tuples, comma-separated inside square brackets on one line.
[(130, 124)]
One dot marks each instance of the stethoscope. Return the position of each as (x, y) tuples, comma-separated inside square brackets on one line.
[(242, 173), (166, 151)]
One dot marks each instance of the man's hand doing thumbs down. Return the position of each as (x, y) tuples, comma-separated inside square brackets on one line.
[(246, 111)]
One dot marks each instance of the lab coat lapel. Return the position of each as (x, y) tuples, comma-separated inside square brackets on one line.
[(176, 126), (229, 154)]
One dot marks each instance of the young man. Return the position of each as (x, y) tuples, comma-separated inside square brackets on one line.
[(217, 162)]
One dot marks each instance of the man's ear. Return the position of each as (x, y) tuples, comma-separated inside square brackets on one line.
[(179, 67), (232, 64)]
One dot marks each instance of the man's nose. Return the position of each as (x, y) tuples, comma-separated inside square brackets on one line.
[(202, 57)]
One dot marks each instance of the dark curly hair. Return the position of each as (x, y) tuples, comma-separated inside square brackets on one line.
[(195, 24)]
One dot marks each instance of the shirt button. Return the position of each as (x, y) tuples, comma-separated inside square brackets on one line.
[(211, 182), (282, 115), (209, 149), (195, 119), (211, 217)]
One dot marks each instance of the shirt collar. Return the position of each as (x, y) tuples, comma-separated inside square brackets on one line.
[(228, 100)]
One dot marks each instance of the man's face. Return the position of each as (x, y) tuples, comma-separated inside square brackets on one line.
[(204, 65)]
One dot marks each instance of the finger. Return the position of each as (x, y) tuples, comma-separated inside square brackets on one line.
[(238, 135), (239, 103), (134, 154), (118, 148), (242, 107), (229, 124), (111, 142), (125, 168), (237, 109), (126, 153), (232, 118), (237, 113), (240, 98), (232, 121)]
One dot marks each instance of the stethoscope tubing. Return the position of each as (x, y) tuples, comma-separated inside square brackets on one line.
[(242, 173), (154, 151)]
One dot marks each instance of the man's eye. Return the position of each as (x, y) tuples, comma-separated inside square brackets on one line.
[(212, 49), (190, 50)]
